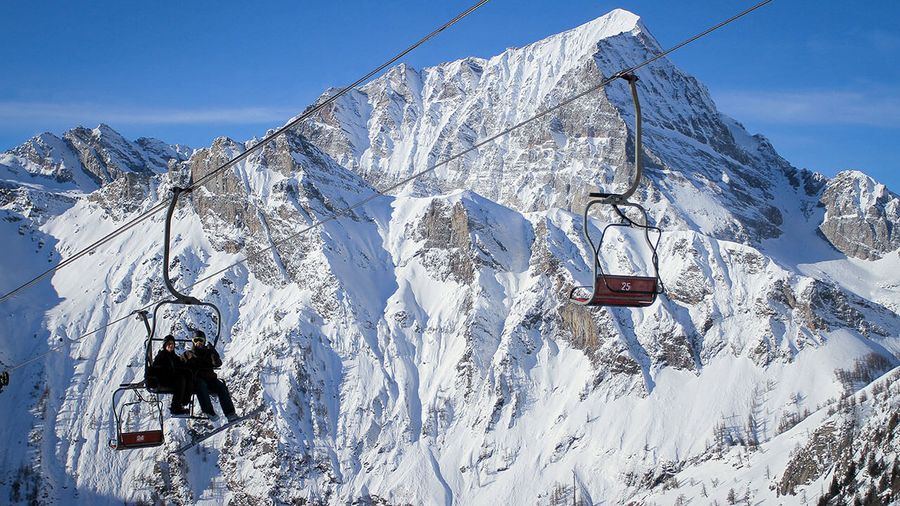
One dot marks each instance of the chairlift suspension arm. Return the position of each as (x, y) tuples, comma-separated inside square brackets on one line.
[(142, 315), (187, 299), (617, 199), (179, 298), (638, 166)]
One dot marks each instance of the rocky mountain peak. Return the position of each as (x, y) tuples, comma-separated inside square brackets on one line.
[(105, 131), (861, 216), (42, 155), (586, 36), (407, 121), (85, 159)]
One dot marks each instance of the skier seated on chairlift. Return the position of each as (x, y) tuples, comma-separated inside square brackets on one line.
[(170, 370), (201, 360)]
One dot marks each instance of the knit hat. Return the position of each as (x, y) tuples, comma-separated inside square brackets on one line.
[(169, 338)]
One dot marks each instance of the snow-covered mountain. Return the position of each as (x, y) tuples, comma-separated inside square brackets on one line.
[(419, 349)]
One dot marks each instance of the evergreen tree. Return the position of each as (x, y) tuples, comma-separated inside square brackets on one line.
[(873, 468), (835, 488), (871, 498), (895, 479), (850, 475), (752, 430)]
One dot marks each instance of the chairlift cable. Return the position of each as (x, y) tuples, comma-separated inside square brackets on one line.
[(492, 138), (308, 113), (87, 250), (504, 132), (76, 339), (305, 115)]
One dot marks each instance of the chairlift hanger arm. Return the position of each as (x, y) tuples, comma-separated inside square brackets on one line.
[(142, 315), (186, 299), (618, 199), (178, 297), (614, 198)]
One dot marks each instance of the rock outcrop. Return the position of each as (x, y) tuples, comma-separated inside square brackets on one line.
[(861, 216)]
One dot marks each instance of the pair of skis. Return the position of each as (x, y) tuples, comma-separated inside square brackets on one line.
[(203, 436)]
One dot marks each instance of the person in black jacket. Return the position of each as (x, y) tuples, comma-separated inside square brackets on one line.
[(202, 359), (170, 370)]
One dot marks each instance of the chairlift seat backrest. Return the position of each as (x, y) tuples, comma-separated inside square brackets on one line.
[(140, 439), (630, 291)]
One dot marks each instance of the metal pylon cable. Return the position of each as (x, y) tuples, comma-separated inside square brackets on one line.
[(494, 137), (305, 115)]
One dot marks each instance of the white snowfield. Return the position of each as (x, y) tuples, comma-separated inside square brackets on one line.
[(420, 349)]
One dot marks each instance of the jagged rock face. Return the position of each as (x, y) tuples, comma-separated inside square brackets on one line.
[(258, 205), (412, 120), (86, 159), (158, 154), (418, 347), (41, 156), (409, 120), (123, 196), (105, 155), (861, 216), (447, 231)]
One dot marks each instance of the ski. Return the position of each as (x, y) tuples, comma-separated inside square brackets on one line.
[(206, 435)]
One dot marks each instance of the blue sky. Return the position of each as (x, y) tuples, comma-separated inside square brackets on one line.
[(818, 78)]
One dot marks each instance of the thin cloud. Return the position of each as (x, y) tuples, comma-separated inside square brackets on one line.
[(883, 41), (812, 108), (44, 113)]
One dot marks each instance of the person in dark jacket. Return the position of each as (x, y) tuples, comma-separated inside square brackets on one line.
[(170, 370), (202, 359)]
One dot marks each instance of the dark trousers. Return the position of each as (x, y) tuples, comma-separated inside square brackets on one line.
[(177, 382), (204, 386)]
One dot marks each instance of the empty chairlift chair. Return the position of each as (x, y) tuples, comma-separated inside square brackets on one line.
[(617, 289)]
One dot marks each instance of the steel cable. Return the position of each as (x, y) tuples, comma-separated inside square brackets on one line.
[(416, 175), (305, 115)]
